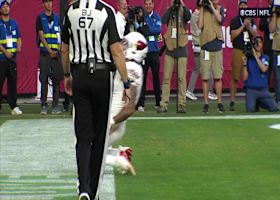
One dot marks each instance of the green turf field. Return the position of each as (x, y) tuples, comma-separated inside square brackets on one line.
[(184, 158)]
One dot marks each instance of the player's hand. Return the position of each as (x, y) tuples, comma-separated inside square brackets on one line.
[(68, 85), (126, 96)]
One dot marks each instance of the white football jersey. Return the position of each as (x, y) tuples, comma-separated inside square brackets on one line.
[(135, 74)]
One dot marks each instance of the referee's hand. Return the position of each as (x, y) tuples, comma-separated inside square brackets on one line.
[(68, 85), (126, 96)]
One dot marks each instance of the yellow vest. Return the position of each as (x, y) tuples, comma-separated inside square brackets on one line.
[(170, 41), (212, 29), (276, 38)]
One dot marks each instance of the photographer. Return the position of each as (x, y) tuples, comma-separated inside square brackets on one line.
[(274, 27), (175, 53), (242, 30), (195, 31), (210, 22), (268, 38), (135, 21), (255, 72)]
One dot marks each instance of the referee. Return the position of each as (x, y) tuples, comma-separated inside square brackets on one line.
[(90, 45)]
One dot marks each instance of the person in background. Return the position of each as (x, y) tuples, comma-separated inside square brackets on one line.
[(121, 17), (175, 53), (135, 21), (49, 39), (255, 72), (10, 46), (195, 31), (153, 20), (242, 30), (268, 37), (274, 27), (210, 22)]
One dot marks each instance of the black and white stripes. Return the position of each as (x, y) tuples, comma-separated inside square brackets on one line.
[(90, 29)]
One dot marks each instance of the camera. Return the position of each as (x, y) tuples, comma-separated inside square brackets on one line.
[(177, 3), (132, 12), (248, 50), (205, 3)]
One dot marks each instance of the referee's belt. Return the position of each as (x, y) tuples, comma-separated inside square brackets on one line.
[(84, 66)]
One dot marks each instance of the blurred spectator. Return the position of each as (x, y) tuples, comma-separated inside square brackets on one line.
[(121, 17), (210, 22), (195, 31), (153, 21), (255, 73), (175, 53), (48, 33), (268, 37), (135, 21), (274, 27), (10, 46), (242, 30)]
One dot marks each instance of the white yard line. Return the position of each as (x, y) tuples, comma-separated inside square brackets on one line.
[(210, 117)]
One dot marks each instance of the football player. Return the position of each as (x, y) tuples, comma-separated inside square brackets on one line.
[(135, 49)]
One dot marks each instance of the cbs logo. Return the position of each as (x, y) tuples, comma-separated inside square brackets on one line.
[(248, 13)]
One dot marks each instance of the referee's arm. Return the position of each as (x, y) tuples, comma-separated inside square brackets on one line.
[(115, 47), (118, 55), (119, 59)]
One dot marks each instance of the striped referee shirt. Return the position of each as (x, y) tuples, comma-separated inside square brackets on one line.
[(89, 29)]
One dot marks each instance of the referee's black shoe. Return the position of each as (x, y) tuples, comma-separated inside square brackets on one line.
[(84, 196)]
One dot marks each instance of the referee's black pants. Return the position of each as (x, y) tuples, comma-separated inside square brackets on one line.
[(91, 99), (8, 69), (153, 61)]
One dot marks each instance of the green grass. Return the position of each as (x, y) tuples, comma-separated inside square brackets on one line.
[(192, 159), (202, 160)]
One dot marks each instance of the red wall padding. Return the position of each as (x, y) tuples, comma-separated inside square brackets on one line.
[(26, 12)]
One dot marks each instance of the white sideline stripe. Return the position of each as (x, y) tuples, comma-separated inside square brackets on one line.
[(26, 192), (35, 181), (25, 197), (29, 187), (210, 117), (38, 196)]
